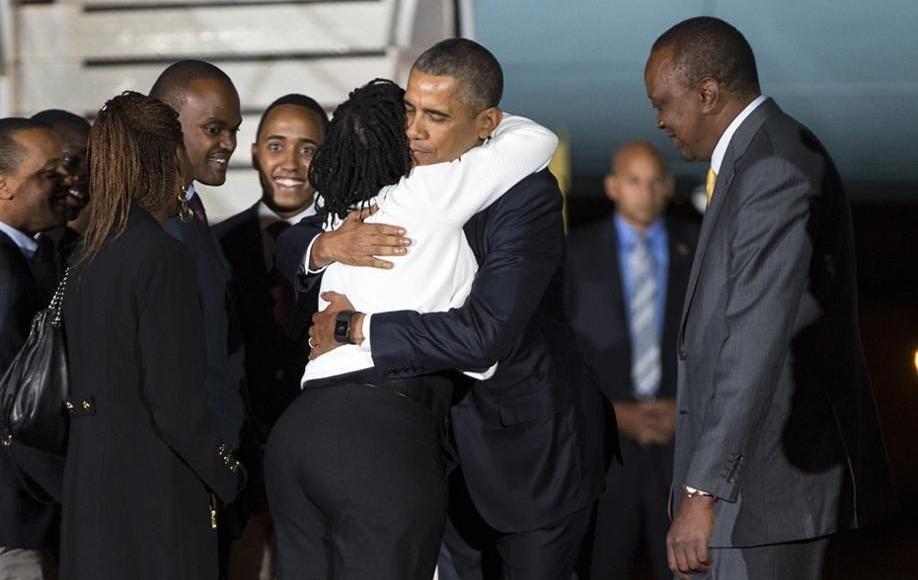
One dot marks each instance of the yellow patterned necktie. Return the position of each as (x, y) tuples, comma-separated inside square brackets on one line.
[(709, 183)]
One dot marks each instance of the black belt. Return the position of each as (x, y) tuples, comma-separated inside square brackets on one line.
[(415, 389)]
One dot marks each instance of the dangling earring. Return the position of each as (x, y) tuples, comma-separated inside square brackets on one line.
[(185, 214)]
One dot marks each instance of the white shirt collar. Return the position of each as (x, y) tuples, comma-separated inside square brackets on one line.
[(267, 216), (190, 191), (717, 157), (26, 243)]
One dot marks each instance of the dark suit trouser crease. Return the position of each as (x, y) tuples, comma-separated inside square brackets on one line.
[(472, 550), (356, 480), (804, 560), (632, 510)]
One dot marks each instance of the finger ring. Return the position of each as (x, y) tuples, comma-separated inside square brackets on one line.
[(309, 342)]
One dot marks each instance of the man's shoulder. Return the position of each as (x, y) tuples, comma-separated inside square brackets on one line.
[(537, 190), (783, 140), (239, 224), (12, 262), (590, 231)]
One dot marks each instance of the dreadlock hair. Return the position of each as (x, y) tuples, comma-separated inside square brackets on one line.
[(131, 158), (365, 148)]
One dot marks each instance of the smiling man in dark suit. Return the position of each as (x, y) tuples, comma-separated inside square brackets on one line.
[(208, 107), (626, 280), (778, 445), (33, 192), (273, 322)]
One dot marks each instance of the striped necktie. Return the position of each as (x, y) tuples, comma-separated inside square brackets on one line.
[(709, 182), (645, 342)]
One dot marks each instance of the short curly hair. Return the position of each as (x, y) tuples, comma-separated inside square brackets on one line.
[(707, 47)]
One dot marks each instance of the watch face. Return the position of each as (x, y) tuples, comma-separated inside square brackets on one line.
[(341, 330), (343, 326)]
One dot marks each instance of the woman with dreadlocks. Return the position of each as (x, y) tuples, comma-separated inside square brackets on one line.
[(356, 466), (143, 456)]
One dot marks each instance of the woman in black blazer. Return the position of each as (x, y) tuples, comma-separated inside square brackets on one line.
[(144, 462)]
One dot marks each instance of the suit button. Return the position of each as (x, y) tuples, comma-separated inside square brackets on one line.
[(682, 354)]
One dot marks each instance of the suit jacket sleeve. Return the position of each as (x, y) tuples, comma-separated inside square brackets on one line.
[(171, 338), (15, 318), (767, 271), (524, 250), (290, 251), (459, 189)]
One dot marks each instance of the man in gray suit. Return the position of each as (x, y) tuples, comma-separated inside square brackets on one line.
[(778, 446)]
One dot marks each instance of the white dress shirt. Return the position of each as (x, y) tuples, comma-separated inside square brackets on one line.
[(267, 217), (432, 204), (717, 157)]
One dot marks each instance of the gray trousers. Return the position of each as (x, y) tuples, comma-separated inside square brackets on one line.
[(804, 560)]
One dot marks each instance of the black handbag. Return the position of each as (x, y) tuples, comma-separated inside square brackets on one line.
[(36, 385)]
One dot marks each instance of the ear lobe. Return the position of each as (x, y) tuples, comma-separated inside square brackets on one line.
[(255, 157), (669, 187), (489, 120), (611, 187)]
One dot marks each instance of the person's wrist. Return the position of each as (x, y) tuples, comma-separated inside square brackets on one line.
[(355, 334), (319, 257), (693, 493)]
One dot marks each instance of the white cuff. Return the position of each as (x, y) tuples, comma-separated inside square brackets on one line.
[(365, 328), (304, 267), (482, 375)]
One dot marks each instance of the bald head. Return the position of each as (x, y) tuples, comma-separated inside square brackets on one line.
[(637, 150), (173, 83)]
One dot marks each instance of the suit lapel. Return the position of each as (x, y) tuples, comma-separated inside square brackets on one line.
[(252, 243), (735, 151), (680, 252), (610, 273)]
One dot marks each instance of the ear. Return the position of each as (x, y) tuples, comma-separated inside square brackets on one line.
[(5, 192), (708, 94), (669, 187), (488, 120), (255, 157), (611, 187)]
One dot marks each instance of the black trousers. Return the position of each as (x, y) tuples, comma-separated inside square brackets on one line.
[(356, 480), (473, 550), (632, 511)]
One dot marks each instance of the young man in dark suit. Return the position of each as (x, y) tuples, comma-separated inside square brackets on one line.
[(208, 107), (33, 191), (273, 323), (529, 439), (626, 280), (778, 444)]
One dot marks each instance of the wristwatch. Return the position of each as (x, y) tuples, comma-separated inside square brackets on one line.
[(343, 326)]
